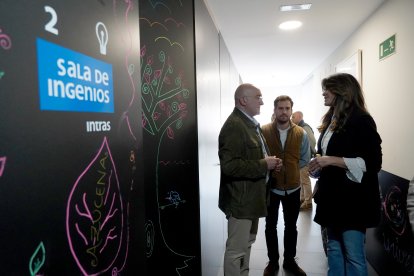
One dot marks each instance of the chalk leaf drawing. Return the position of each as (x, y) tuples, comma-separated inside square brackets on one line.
[(37, 260), (94, 215)]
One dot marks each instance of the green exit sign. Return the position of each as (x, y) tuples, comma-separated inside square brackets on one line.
[(387, 47)]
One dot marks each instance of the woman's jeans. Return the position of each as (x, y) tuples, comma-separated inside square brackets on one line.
[(346, 253)]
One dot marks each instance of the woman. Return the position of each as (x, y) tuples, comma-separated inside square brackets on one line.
[(348, 198)]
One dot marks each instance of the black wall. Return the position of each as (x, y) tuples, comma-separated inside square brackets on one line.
[(104, 183), (170, 137), (71, 191), (390, 246)]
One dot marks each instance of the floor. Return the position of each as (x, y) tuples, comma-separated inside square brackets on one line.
[(310, 254)]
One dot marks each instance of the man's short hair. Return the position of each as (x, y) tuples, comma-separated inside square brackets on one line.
[(281, 99)]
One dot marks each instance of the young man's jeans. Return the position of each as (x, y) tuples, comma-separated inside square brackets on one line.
[(346, 253), (291, 206)]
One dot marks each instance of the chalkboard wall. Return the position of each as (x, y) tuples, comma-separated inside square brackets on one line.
[(390, 246), (71, 167), (170, 137)]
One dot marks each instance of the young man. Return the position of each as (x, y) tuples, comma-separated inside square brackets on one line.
[(245, 165), (289, 142)]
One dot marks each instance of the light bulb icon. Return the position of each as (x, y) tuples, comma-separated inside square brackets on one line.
[(102, 35)]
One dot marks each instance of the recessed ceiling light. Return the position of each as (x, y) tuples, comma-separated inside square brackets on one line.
[(297, 7), (290, 25)]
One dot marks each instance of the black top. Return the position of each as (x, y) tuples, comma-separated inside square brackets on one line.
[(340, 201)]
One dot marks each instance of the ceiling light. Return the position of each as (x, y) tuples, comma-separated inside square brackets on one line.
[(297, 7), (290, 25)]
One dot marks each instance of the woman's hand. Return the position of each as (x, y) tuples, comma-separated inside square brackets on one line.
[(314, 166), (320, 162)]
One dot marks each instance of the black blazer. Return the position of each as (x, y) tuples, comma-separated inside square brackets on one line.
[(340, 201)]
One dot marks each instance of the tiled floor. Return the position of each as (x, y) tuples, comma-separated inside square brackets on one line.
[(310, 254)]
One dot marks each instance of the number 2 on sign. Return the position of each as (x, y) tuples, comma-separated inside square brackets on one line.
[(50, 26)]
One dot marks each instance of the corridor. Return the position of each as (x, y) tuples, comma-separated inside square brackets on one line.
[(310, 253)]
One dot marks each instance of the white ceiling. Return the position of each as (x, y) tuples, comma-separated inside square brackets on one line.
[(266, 56)]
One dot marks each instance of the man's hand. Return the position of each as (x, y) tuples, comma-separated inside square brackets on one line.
[(273, 163)]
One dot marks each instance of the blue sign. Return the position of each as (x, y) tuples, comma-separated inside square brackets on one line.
[(71, 81)]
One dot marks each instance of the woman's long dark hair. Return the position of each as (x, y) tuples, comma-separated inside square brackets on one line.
[(348, 97)]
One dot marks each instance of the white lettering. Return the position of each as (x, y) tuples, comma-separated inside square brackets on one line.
[(89, 94), (70, 93), (59, 89), (50, 89), (98, 126), (101, 77), (73, 70), (107, 126), (100, 95), (79, 92), (58, 86), (60, 64)]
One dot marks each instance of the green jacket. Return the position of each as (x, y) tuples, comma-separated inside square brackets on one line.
[(243, 188)]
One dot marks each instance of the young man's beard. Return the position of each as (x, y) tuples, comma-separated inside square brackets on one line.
[(282, 121)]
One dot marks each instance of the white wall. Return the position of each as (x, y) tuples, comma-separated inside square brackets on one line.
[(269, 95), (217, 79), (303, 99), (388, 91), (387, 84)]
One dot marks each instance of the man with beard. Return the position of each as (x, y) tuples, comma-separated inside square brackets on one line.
[(289, 142)]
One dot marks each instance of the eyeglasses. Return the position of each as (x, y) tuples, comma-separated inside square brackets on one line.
[(259, 97)]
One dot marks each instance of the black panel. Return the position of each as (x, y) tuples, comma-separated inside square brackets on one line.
[(390, 246), (170, 137), (71, 199)]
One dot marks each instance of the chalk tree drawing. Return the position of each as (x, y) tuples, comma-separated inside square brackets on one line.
[(165, 98)]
